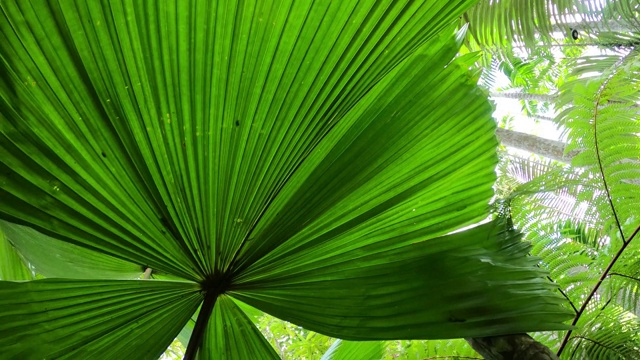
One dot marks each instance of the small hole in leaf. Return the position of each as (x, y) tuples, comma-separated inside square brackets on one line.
[(237, 123), (104, 154)]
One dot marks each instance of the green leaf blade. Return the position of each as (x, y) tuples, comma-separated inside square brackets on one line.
[(351, 350), (12, 267), (93, 318), (53, 258), (472, 283), (143, 132)]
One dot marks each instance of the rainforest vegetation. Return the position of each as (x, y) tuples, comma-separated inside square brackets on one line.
[(336, 180)]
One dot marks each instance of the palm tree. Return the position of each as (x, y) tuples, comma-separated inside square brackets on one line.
[(314, 161), (551, 149)]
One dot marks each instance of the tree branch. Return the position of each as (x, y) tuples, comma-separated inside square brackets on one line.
[(515, 346)]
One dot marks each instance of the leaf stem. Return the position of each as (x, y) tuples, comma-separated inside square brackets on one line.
[(210, 297), (624, 276), (597, 147)]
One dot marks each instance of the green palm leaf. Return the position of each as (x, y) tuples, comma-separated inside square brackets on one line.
[(388, 293), (54, 258), (101, 139), (361, 350), (12, 267), (306, 158), (106, 319)]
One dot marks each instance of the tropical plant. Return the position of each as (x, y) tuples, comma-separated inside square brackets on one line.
[(500, 25), (316, 161), (581, 218)]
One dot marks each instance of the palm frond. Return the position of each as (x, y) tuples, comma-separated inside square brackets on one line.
[(12, 265), (350, 350), (497, 25), (52, 258), (117, 318)]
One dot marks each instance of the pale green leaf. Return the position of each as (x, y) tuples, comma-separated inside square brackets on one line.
[(50, 257), (12, 267), (354, 350)]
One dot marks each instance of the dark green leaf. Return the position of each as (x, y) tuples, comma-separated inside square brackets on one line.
[(460, 285), (76, 319)]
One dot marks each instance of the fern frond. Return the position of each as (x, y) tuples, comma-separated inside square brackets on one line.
[(623, 281), (572, 265), (606, 332), (560, 194), (608, 328), (604, 125)]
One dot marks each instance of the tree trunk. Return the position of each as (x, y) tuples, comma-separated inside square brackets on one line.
[(542, 117), (511, 347), (548, 148), (525, 96)]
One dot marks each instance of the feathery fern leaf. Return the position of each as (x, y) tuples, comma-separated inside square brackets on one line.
[(606, 332), (604, 125)]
